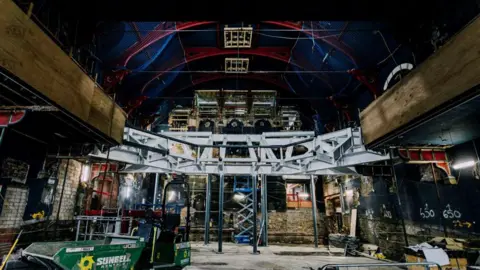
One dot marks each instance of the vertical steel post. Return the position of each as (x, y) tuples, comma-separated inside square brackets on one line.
[(439, 200), (2, 134), (61, 197), (220, 212), (254, 206), (313, 198), (264, 211), (400, 212), (78, 230), (155, 191), (208, 199)]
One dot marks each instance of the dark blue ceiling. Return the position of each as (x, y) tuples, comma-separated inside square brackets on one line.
[(316, 69)]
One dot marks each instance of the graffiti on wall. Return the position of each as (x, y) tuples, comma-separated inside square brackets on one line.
[(386, 212), (448, 213), (427, 213)]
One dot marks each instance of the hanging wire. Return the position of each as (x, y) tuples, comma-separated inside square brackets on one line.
[(184, 54), (257, 31), (390, 55), (294, 38), (252, 71), (386, 45)]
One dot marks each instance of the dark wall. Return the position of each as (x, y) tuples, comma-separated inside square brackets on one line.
[(420, 202)]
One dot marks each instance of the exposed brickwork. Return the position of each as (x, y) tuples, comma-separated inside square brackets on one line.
[(67, 205), (13, 207), (294, 226)]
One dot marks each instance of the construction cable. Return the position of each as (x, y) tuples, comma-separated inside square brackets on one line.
[(368, 30), (386, 45), (251, 72)]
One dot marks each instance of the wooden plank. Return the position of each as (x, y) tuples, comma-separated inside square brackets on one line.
[(448, 73), (455, 263), (28, 53), (353, 222)]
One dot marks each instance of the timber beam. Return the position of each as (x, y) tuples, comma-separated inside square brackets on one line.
[(444, 77), (29, 54)]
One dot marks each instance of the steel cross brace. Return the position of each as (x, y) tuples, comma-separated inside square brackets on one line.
[(193, 152)]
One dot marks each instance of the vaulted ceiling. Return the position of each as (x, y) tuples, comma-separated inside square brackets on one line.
[(322, 66)]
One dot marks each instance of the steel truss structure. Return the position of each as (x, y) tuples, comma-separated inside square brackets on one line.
[(271, 153)]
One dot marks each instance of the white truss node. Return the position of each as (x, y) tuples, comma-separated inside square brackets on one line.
[(271, 153)]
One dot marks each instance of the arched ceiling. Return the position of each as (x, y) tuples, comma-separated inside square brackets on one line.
[(329, 65)]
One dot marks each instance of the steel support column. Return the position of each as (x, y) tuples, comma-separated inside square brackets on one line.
[(208, 200), (61, 197), (313, 197), (264, 199), (400, 211), (254, 208), (155, 191), (220, 212)]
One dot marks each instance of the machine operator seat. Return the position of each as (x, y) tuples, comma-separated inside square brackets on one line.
[(169, 235)]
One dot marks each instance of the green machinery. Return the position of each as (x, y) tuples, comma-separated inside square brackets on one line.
[(160, 243), (171, 249)]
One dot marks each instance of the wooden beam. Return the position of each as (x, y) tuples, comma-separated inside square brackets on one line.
[(448, 73), (28, 53)]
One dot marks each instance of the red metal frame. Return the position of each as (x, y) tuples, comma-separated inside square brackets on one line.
[(197, 53), (11, 117), (324, 36), (423, 155), (155, 36), (367, 79), (426, 155)]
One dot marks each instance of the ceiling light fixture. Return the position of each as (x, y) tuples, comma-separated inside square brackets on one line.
[(463, 165)]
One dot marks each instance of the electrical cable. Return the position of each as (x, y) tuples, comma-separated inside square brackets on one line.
[(390, 55), (255, 31), (299, 38), (251, 72), (386, 45)]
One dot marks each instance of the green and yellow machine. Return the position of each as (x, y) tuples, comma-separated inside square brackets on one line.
[(168, 245), (159, 243)]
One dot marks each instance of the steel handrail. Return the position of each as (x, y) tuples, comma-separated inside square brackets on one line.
[(427, 265)]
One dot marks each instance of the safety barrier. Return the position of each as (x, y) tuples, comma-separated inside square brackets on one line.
[(425, 265)]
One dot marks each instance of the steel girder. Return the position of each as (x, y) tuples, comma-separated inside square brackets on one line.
[(193, 152)]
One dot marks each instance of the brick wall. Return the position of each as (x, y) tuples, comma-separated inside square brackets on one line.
[(67, 205), (13, 207), (294, 226)]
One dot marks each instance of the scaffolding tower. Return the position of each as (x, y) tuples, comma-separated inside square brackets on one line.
[(244, 188)]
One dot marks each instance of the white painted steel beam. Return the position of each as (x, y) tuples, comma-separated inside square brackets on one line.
[(206, 153)]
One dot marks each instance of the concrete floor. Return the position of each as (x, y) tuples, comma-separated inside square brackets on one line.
[(241, 257)]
